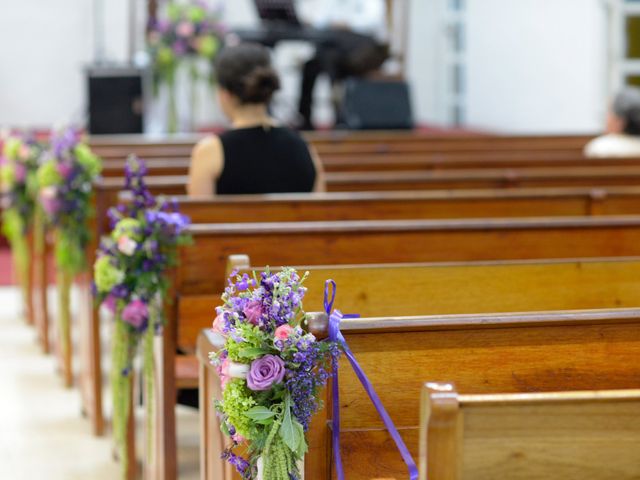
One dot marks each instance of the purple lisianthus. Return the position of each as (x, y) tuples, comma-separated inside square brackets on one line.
[(265, 372), (136, 313), (65, 169), (110, 303)]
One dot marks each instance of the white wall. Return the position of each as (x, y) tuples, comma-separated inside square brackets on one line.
[(44, 45), (533, 65), (536, 65)]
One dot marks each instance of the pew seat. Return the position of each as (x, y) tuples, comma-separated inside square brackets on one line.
[(551, 436)]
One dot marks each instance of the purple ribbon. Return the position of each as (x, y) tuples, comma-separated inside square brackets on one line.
[(335, 335)]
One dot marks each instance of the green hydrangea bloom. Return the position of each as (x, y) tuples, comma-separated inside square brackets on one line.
[(196, 14), (237, 401), (208, 46), (106, 275), (12, 148), (165, 56), (89, 161), (7, 176), (174, 12), (48, 174), (129, 227)]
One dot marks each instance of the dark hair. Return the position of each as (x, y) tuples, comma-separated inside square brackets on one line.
[(245, 70), (626, 105)]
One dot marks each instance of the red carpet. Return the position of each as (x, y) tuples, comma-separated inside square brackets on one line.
[(6, 267)]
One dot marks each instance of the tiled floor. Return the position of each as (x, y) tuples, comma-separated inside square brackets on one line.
[(42, 434)]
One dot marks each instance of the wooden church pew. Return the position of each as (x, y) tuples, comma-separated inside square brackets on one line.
[(359, 205), (483, 178), (410, 162), (418, 289), (347, 206), (482, 353), (352, 143), (446, 179), (554, 435), (369, 242)]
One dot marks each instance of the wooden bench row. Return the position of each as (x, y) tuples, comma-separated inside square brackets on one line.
[(475, 161), (202, 266), (350, 143)]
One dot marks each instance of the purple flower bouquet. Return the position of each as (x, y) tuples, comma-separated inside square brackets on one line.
[(185, 32), (18, 166), (130, 281), (271, 371)]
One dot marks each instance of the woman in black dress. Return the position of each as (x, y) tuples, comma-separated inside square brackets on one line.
[(256, 155)]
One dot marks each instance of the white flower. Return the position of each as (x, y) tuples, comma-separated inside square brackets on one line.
[(127, 245), (238, 370)]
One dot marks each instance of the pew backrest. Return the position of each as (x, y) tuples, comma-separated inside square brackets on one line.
[(554, 435)]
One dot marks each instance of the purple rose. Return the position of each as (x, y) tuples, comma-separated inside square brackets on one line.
[(253, 311), (265, 372), (135, 313)]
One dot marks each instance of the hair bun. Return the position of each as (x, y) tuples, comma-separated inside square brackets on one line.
[(260, 85)]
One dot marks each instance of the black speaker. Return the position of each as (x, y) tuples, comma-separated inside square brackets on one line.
[(116, 99), (377, 104)]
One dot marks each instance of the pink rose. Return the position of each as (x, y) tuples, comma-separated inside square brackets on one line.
[(185, 29), (253, 311), (24, 153), (223, 372), (283, 331), (218, 325), (127, 245), (238, 438), (49, 200)]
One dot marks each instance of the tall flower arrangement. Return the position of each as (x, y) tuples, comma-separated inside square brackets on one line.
[(65, 182), (271, 372), (130, 280), (18, 186), (186, 32)]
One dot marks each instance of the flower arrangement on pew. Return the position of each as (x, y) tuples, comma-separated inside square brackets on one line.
[(65, 181), (130, 281), (271, 372), (187, 32), (18, 186)]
